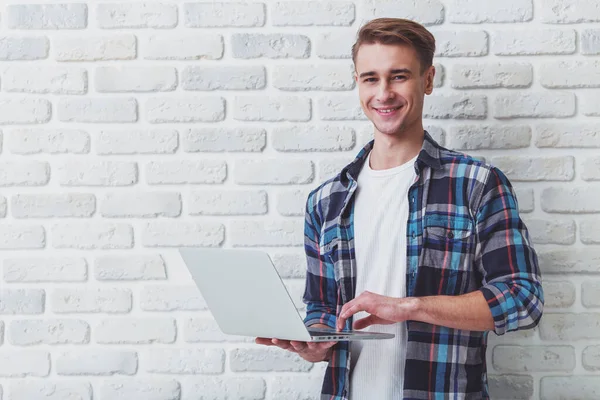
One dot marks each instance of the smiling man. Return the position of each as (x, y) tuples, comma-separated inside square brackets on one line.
[(412, 239)]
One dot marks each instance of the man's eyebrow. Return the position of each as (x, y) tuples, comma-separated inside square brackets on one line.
[(393, 71)]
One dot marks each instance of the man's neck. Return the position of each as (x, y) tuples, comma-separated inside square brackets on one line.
[(390, 151)]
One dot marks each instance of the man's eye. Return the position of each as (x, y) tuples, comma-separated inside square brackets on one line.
[(399, 77), (370, 80)]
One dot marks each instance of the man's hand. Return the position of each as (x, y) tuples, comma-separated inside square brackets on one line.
[(310, 351)]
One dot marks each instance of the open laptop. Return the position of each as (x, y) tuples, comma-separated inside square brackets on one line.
[(247, 297)]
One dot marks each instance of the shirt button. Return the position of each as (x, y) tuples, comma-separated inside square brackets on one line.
[(414, 235), (450, 235)]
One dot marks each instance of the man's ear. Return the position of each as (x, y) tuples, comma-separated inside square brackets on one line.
[(429, 78), (355, 76)]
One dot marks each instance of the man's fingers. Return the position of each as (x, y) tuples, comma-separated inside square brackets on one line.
[(264, 341)]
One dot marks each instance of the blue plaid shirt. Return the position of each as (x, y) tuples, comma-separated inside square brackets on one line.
[(464, 234)]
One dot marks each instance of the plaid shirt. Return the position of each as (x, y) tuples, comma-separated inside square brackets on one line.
[(464, 234)]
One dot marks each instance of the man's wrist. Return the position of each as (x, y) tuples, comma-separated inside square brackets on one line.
[(412, 308)]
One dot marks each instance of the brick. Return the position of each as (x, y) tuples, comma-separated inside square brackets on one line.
[(569, 11), (272, 45), (263, 360), (297, 387), (591, 358), (331, 167), (98, 109), (135, 79), (88, 172), (589, 293), (89, 300), (230, 388), (570, 74), (15, 237), (272, 109), (273, 172), (589, 104), (241, 139), (267, 233), (24, 173), (477, 11), (49, 141), (590, 41), (497, 75), (427, 12), (185, 109), (569, 326), (576, 200), (531, 169), (27, 332), (45, 80), (534, 105), (533, 358), (141, 204), (171, 298), (205, 329), (135, 331), (24, 111), (2, 206), (49, 390), (132, 141), (313, 13), (95, 48), (340, 108), (252, 77), (522, 42), (290, 265), (46, 16), (184, 361), (227, 202), (313, 138), (440, 75), (591, 169), (461, 43), (97, 362), (558, 294), (314, 77), (23, 48), (98, 235), (455, 106), (292, 202), (22, 301), (20, 364), (183, 234), (336, 44), (514, 387), (221, 15), (567, 135), (572, 261), (186, 171), (569, 387), (45, 269), (53, 205), (140, 388), (479, 137), (551, 231), (130, 268), (132, 15), (184, 47)]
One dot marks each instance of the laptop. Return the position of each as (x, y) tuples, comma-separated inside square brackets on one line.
[(247, 297)]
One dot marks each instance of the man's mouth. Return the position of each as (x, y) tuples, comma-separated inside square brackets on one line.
[(387, 110)]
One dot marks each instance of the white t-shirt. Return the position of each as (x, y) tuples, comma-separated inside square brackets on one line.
[(380, 218)]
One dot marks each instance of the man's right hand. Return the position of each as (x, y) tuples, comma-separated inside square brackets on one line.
[(310, 351)]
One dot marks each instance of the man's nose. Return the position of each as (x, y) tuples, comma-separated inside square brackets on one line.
[(383, 92)]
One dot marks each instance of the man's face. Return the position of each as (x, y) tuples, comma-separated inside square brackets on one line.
[(391, 87)]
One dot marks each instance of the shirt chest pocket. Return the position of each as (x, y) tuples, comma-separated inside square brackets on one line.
[(449, 242)]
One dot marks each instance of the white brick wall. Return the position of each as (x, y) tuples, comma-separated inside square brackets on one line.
[(129, 128)]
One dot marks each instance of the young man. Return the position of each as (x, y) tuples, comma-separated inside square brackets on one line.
[(414, 239)]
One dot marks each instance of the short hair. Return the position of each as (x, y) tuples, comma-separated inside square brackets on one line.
[(400, 32)]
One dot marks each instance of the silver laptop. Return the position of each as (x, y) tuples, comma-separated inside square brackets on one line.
[(247, 297)]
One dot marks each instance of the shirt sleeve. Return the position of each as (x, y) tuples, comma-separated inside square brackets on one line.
[(511, 275)]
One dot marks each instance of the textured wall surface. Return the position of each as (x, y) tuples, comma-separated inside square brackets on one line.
[(131, 128)]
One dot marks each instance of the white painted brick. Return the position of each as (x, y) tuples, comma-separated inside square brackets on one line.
[(220, 15), (24, 173), (97, 235), (332, 166), (589, 293), (28, 332), (536, 168), (591, 169), (50, 141), (297, 387), (244, 139), (171, 298), (90, 300), (526, 199), (571, 260), (19, 364), (570, 74), (569, 11), (2, 206), (533, 358), (184, 361), (186, 171), (22, 110), (569, 387), (205, 329), (257, 45), (132, 141), (558, 294), (313, 138), (458, 106), (498, 75), (15, 237), (135, 331), (135, 79), (314, 77), (129, 267), (47, 79), (250, 77), (146, 388), (53, 205), (478, 11), (89, 172), (534, 105), (521, 42), (312, 13), (478, 137), (23, 48), (95, 48), (567, 135), (589, 230), (141, 204), (551, 231), (227, 202), (336, 44), (340, 108), (514, 387), (570, 326), (97, 362), (45, 269), (590, 41), (267, 233), (272, 109), (46, 16), (591, 358), (273, 172), (49, 390), (574, 200), (136, 15), (267, 359), (185, 109), (22, 301), (290, 265), (440, 75), (461, 43), (588, 104), (214, 388), (427, 12), (292, 202), (97, 109), (182, 234), (184, 47)]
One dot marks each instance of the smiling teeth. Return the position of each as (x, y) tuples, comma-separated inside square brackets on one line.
[(388, 110)]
